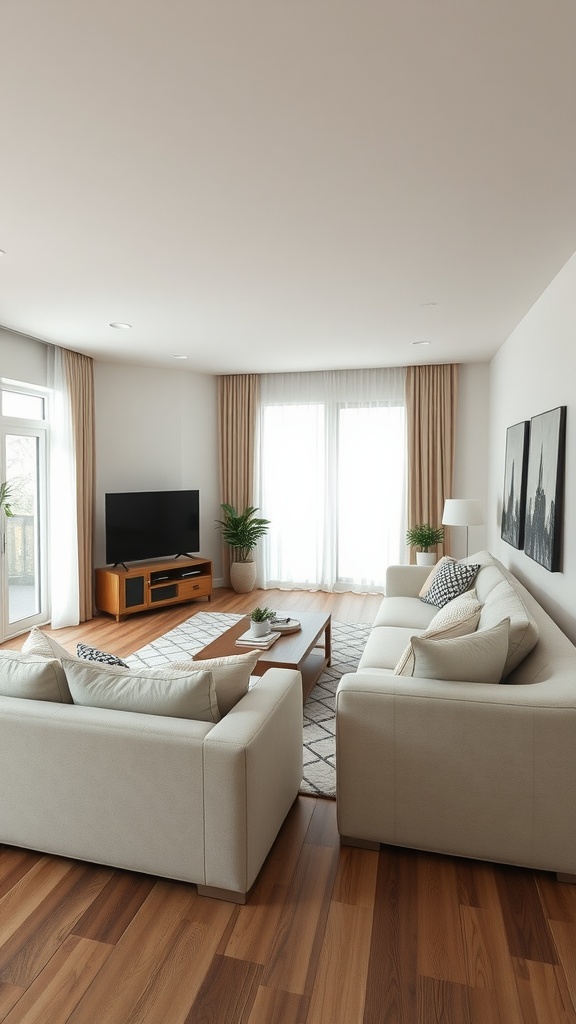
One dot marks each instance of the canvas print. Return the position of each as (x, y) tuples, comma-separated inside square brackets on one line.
[(515, 476), (545, 488)]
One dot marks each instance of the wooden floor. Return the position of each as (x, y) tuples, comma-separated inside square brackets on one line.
[(328, 936)]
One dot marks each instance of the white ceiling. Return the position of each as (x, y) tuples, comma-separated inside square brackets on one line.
[(284, 184)]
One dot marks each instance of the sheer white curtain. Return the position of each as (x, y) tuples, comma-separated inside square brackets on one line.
[(331, 477), (64, 587)]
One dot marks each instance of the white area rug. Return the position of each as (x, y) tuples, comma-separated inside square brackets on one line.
[(348, 642)]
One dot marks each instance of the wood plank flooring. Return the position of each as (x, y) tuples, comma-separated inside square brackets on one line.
[(328, 936)]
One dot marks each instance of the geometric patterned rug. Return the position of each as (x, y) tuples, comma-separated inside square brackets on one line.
[(348, 642)]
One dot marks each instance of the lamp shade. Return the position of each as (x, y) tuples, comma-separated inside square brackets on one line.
[(462, 512)]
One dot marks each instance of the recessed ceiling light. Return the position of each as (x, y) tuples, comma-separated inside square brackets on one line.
[(180, 357), (122, 327), (421, 342), (2, 252)]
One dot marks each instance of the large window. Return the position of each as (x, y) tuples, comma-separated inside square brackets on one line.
[(23, 583), (332, 475)]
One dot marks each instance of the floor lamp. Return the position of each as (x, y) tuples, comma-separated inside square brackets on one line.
[(463, 512)]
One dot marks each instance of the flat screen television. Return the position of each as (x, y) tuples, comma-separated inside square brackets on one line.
[(151, 524)]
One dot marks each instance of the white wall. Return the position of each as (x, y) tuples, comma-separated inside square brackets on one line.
[(23, 359), (156, 430), (535, 370)]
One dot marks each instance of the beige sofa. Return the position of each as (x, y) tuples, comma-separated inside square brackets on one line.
[(196, 801), (473, 769)]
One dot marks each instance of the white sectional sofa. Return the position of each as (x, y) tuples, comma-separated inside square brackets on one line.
[(197, 801), (475, 769)]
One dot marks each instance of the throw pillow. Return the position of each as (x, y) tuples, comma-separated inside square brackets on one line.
[(477, 658), (38, 642), (444, 626), (33, 677), (231, 676), (164, 691), (431, 575), (452, 579), (93, 654)]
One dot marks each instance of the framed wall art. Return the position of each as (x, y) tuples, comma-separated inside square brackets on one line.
[(515, 478), (545, 488)]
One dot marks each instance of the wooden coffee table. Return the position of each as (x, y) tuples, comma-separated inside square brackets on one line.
[(305, 650)]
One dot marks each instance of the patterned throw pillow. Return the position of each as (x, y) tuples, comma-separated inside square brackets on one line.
[(451, 580), (93, 654)]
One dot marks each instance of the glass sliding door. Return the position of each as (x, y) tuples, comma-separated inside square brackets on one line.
[(22, 534)]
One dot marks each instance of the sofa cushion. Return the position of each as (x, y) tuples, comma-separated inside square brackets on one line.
[(404, 611), (479, 657), (384, 647), (160, 691), (33, 677), (504, 601), (427, 582), (458, 618), (231, 676), (93, 654), (38, 642), (452, 579)]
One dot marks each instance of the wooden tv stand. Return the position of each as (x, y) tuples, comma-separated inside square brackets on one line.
[(123, 591)]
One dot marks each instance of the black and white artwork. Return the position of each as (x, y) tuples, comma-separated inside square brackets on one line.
[(545, 488), (515, 476)]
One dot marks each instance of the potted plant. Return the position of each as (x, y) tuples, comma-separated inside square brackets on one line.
[(241, 531), (5, 495), (260, 621), (424, 536)]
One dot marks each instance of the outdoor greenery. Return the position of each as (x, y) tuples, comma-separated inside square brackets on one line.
[(424, 536), (241, 531), (5, 495)]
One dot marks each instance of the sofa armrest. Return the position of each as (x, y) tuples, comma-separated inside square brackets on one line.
[(252, 775), (470, 769), (406, 580)]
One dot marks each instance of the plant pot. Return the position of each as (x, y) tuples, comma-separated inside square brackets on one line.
[(425, 558), (260, 628), (243, 577)]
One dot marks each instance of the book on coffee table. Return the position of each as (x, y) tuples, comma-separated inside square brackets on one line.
[(261, 642)]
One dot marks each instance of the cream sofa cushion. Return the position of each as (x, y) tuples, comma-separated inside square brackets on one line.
[(167, 691), (38, 642), (33, 677), (458, 618), (231, 676), (428, 581), (504, 601), (479, 657)]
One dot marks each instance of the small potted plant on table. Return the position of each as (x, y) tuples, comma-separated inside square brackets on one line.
[(260, 621), (424, 537)]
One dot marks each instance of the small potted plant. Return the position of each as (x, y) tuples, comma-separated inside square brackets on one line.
[(241, 531), (424, 537), (260, 621)]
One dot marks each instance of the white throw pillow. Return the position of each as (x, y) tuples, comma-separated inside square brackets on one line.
[(477, 658), (448, 623), (231, 676), (38, 642), (152, 691), (33, 677)]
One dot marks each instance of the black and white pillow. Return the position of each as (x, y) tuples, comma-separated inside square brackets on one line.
[(451, 580), (93, 654)]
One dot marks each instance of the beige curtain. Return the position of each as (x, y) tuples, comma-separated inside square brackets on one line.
[(431, 400), (237, 411), (80, 381)]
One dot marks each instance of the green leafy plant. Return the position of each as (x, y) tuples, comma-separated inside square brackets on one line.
[(5, 495), (261, 614), (424, 536), (241, 531)]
